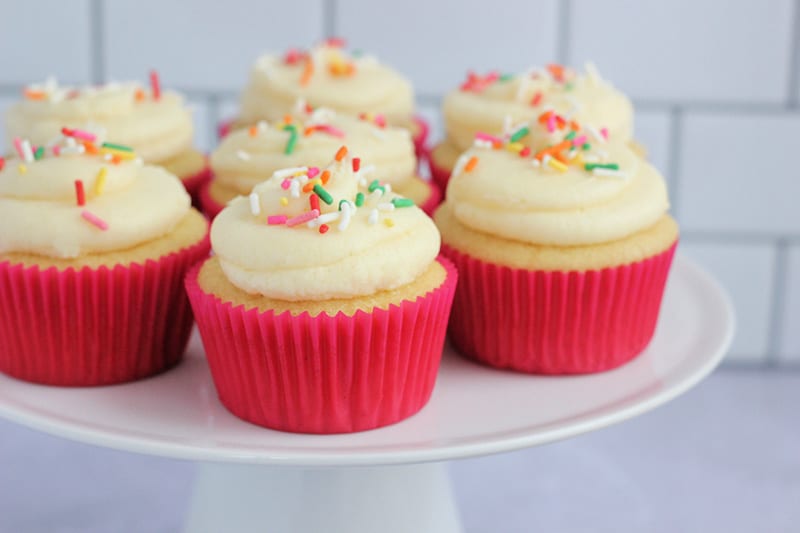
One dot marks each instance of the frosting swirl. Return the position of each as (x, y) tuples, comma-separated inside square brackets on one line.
[(496, 104), (124, 203), (245, 157), (566, 194), (326, 76), (360, 239), (158, 128)]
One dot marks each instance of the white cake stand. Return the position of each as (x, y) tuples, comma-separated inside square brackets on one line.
[(255, 480)]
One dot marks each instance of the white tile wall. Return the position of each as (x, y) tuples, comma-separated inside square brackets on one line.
[(5, 101), (746, 271), (725, 68), (712, 50)]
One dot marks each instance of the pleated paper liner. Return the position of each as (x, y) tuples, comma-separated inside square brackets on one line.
[(421, 135), (99, 326), (211, 207), (324, 374), (194, 184), (546, 322)]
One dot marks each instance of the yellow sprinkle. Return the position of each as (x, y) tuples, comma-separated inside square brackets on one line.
[(299, 173), (22, 169), (100, 182), (558, 165), (389, 222), (578, 160), (122, 154), (284, 200), (515, 147)]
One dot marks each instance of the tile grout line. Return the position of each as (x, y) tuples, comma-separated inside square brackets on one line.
[(674, 160), (97, 40), (214, 118), (329, 18), (777, 304), (794, 58), (564, 29)]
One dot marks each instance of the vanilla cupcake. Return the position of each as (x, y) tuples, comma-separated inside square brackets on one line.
[(330, 76), (155, 122), (562, 253), (324, 306), (500, 104), (94, 246), (246, 157)]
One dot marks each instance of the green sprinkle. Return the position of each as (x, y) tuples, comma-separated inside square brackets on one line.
[(520, 134), (586, 146), (609, 166), (292, 138), (506, 77), (39, 153), (342, 201), (570, 136), (359, 199), (113, 146), (324, 195), (374, 185), (402, 202)]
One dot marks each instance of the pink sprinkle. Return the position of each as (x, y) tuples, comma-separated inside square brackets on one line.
[(551, 123), (18, 146), (604, 133), (305, 217), (94, 220), (85, 135), (580, 141), (331, 130), (56, 150), (274, 220), (285, 184), (312, 172), (380, 121), (486, 137)]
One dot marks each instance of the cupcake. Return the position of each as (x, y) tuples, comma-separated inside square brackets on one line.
[(500, 104), (330, 76), (562, 252), (246, 157), (324, 306), (155, 122), (94, 246)]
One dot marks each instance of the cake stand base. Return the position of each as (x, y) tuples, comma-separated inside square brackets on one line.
[(261, 499)]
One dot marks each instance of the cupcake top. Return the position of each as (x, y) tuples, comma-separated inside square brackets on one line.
[(245, 157), (156, 123), (497, 104), (316, 233), (581, 190), (328, 76), (77, 197)]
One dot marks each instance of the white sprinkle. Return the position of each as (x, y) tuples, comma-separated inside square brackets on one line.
[(324, 219), (375, 195), (365, 171), (507, 125), (294, 189), (595, 134), (379, 133), (373, 217), (610, 173), (387, 188), (460, 163), (27, 151), (346, 213), (139, 161), (535, 162), (386, 206), (481, 143), (262, 126), (591, 158), (286, 172), (241, 154), (71, 142), (255, 204)]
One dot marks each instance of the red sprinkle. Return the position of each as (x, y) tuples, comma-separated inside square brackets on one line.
[(2, 162), (336, 42), (537, 98), (323, 228), (356, 164), (313, 200), (525, 152), (155, 85), (80, 195)]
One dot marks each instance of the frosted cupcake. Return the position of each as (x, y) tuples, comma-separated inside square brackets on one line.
[(500, 104), (94, 246), (562, 253), (246, 157), (330, 76), (155, 122), (324, 307)]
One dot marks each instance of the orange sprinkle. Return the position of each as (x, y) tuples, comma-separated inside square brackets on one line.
[(573, 125), (341, 153), (497, 145), (253, 131), (308, 187), (308, 71), (553, 149), (309, 130), (139, 95), (325, 176), (544, 117), (287, 119), (116, 159), (557, 71), (34, 95), (90, 147), (471, 164)]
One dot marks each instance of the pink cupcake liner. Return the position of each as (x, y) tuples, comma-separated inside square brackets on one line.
[(224, 128), (562, 322), (439, 175), (211, 207), (324, 374), (99, 326), (195, 182)]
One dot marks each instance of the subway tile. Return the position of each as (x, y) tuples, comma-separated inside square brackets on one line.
[(652, 129), (5, 103), (737, 174), (203, 44), (687, 50), (435, 43), (790, 343), (43, 38), (204, 137), (746, 271)]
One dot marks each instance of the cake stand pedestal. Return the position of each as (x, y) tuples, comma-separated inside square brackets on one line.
[(389, 480)]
